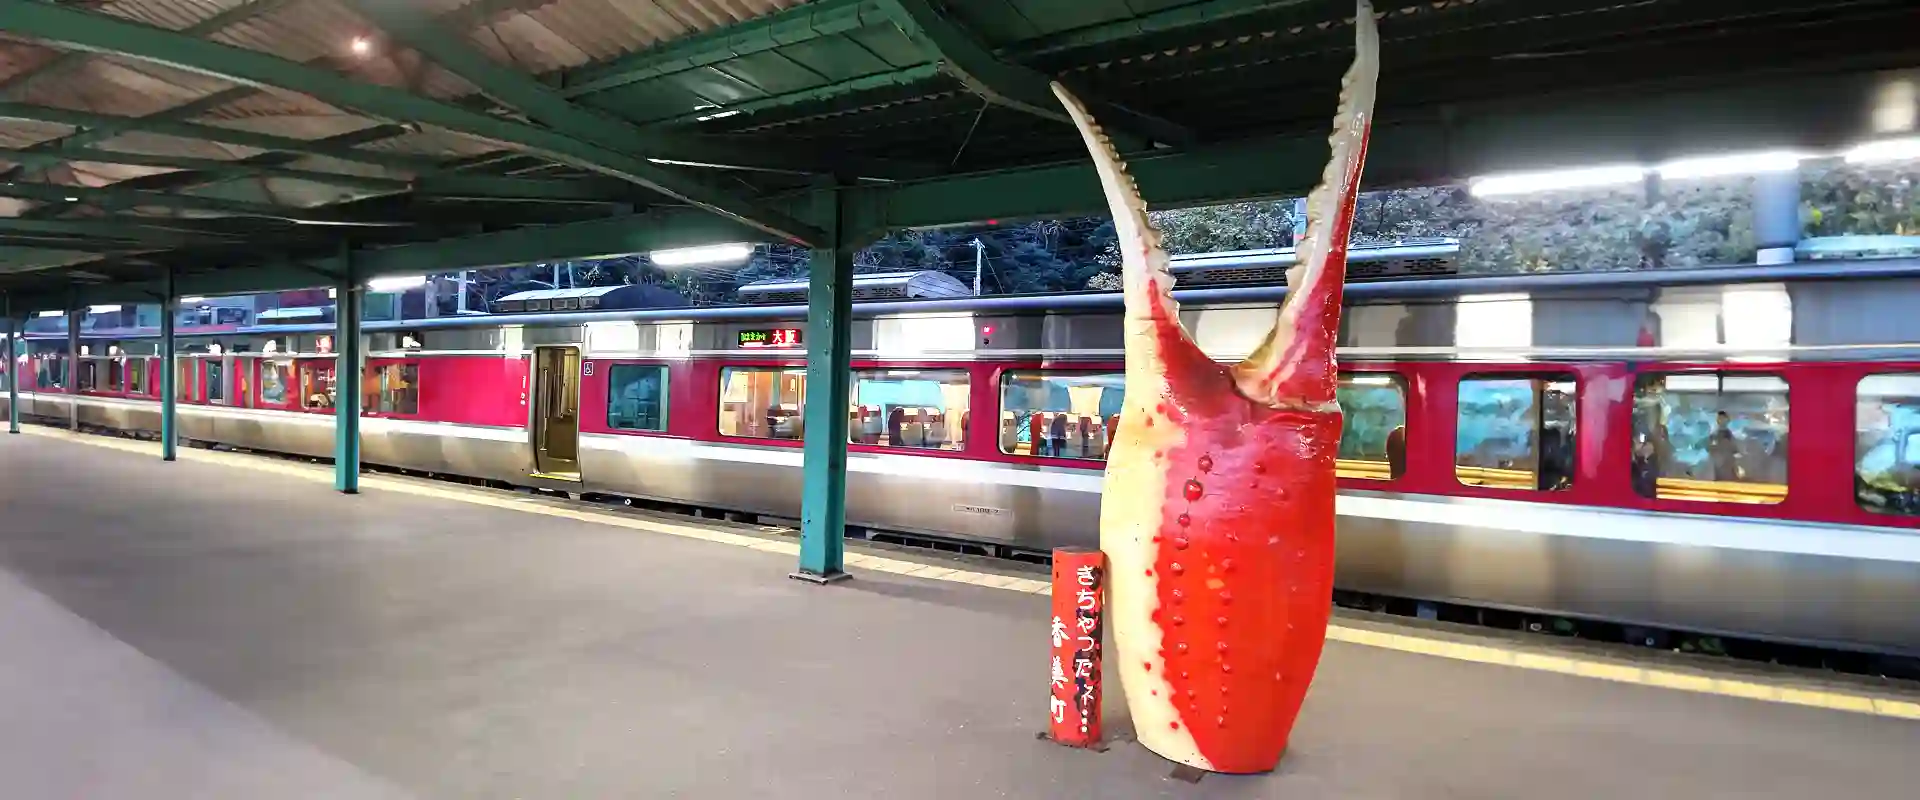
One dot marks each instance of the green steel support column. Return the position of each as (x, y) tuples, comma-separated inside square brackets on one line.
[(346, 380), (823, 508), (13, 365), (169, 372), (75, 315)]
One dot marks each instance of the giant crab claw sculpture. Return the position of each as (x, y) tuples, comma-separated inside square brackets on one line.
[(1217, 515)]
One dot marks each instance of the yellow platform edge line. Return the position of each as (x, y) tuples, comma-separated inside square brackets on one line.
[(1365, 637)]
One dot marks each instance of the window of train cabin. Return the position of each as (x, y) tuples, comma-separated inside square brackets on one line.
[(136, 376), (1060, 414), (50, 372), (1710, 437), (317, 390), (116, 374), (762, 402), (909, 408), (391, 389), (276, 382), (1516, 432), (88, 369), (1886, 465), (1373, 439), (216, 380), (637, 397), (183, 385)]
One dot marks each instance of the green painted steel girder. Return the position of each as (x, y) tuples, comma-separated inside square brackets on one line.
[(1015, 86), (658, 229), (549, 190), (214, 133), (350, 298), (213, 167), (901, 77), (65, 62), (104, 231), (105, 34), (1418, 147), (129, 198), (792, 26), (1144, 26), (823, 504), (521, 92), (169, 371)]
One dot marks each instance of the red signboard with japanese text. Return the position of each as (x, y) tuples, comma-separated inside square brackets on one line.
[(1079, 608)]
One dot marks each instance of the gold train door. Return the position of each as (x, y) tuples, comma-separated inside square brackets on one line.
[(556, 412)]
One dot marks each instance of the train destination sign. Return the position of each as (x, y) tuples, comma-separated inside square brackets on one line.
[(780, 337)]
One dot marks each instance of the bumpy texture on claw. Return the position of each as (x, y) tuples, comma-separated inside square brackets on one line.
[(1217, 514)]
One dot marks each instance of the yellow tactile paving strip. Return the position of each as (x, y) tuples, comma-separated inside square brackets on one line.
[(1697, 682)]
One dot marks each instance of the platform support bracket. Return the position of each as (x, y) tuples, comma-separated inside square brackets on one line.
[(13, 363), (346, 377), (169, 371), (75, 316), (829, 343)]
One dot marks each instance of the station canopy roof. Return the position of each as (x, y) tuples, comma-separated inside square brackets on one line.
[(254, 144)]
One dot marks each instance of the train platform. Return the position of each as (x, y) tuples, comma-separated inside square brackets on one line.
[(228, 626)]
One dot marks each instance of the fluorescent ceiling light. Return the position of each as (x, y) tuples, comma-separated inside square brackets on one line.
[(52, 314), (711, 254), (1526, 182), (396, 284), (104, 309), (1735, 164), (194, 299), (1885, 150)]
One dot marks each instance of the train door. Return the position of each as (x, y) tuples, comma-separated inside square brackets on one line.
[(556, 412)]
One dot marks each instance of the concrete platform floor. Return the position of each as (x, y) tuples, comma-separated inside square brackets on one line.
[(207, 630)]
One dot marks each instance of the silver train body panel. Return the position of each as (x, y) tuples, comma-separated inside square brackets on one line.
[(1853, 587)]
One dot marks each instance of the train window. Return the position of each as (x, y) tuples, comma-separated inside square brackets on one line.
[(116, 375), (316, 385), (1516, 432), (762, 402), (276, 376), (1373, 442), (50, 372), (637, 397), (1710, 437), (88, 369), (1060, 414), (391, 389), (136, 369), (1886, 465), (216, 380), (909, 408), (183, 379)]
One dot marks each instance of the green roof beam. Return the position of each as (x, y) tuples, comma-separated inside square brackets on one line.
[(226, 170), (550, 190), (521, 92), (1016, 86), (98, 32), (133, 198), (96, 229), (214, 133), (900, 77), (1142, 27), (792, 26), (65, 62)]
